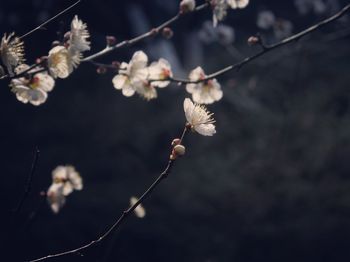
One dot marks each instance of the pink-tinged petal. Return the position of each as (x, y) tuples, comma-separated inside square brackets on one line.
[(205, 129), (119, 81)]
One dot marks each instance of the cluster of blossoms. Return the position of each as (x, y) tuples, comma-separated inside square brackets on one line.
[(220, 8), (62, 59), (65, 179), (137, 77)]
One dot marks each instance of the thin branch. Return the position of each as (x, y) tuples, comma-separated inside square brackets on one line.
[(266, 49), (125, 213), (139, 38), (28, 185), (49, 20)]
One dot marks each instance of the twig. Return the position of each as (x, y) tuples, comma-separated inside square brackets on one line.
[(123, 216), (28, 185), (49, 20), (148, 34), (266, 49)]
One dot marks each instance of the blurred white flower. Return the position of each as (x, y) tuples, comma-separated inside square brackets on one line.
[(206, 92), (319, 7), (55, 197), (146, 90), (78, 36), (199, 118), (69, 177), (139, 210), (266, 19), (12, 52), (238, 3), (220, 8), (282, 28), (222, 34), (187, 5), (133, 75), (61, 61), (32, 89), (160, 70)]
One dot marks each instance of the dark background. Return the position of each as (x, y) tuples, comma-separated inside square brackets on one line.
[(272, 185)]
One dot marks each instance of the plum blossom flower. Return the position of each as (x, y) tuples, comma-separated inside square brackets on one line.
[(78, 36), (12, 52), (55, 197), (69, 177), (220, 8), (132, 75), (206, 92), (61, 61), (139, 210), (65, 179), (160, 70), (199, 118), (32, 89), (187, 5)]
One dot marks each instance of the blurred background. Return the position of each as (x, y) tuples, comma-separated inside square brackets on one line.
[(272, 185)]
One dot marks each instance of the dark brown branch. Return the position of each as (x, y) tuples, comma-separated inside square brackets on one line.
[(28, 185), (139, 38), (266, 49), (123, 216)]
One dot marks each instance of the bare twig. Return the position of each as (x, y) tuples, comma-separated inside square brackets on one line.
[(266, 49), (125, 213), (139, 38), (49, 20), (28, 185)]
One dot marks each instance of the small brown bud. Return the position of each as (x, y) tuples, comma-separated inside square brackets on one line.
[(179, 150), (253, 40), (176, 141), (167, 32), (101, 70), (172, 156), (111, 40)]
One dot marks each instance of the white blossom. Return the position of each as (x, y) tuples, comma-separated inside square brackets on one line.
[(220, 8), (55, 197), (12, 52), (160, 70), (32, 89), (237, 3), (132, 75), (187, 5), (78, 36), (206, 92), (69, 177), (139, 210), (199, 118), (62, 61)]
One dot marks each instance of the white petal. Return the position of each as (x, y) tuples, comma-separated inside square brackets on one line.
[(128, 90), (205, 129), (119, 81), (139, 60), (188, 108)]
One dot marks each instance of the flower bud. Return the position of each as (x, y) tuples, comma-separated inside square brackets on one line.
[(101, 70), (55, 43), (179, 150), (176, 141), (253, 40), (111, 40), (187, 6), (66, 36), (116, 64), (167, 33)]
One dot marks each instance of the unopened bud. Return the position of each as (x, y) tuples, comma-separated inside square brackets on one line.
[(111, 40), (101, 70), (55, 43), (175, 142), (253, 40), (167, 33), (187, 6), (66, 36), (116, 65), (179, 150)]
